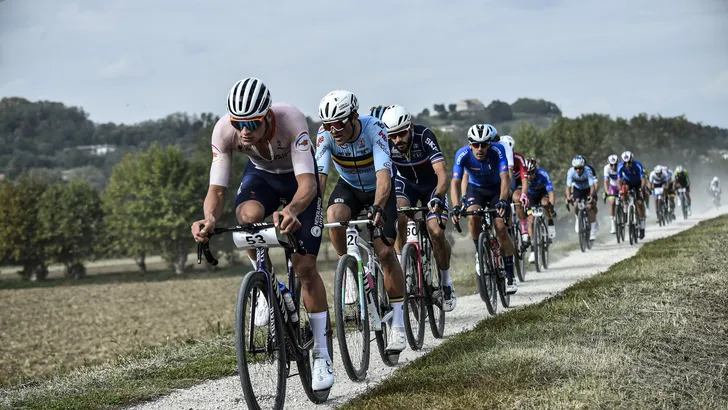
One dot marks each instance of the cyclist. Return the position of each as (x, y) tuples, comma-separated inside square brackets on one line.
[(487, 167), (682, 180), (659, 179), (538, 187), (715, 187), (359, 148), (509, 156), (280, 167), (421, 177), (670, 188), (519, 186), (610, 187), (580, 185), (631, 176)]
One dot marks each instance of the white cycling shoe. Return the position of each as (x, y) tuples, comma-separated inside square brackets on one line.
[(396, 340), (532, 258), (261, 311), (449, 301), (512, 288), (322, 374), (593, 235), (352, 288)]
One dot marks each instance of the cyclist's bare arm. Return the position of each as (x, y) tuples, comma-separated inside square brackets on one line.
[(384, 187), (455, 190), (305, 193), (322, 183), (552, 198), (212, 210), (505, 186), (463, 187), (442, 179)]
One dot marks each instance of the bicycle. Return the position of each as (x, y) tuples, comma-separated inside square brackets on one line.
[(369, 306), (492, 272), (541, 239), (683, 201), (619, 218), (584, 225), (289, 334), (632, 219), (661, 211), (422, 279), (519, 258)]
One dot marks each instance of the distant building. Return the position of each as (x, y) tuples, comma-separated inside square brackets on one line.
[(448, 128), (100, 150), (469, 106), (2, 177)]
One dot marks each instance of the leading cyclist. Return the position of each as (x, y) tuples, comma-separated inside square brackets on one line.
[(281, 166), (359, 148), (631, 176), (488, 185)]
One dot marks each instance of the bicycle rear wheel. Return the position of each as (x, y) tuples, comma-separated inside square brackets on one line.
[(414, 309), (487, 281), (305, 340), (259, 345), (518, 257), (384, 307), (537, 244), (544, 244), (499, 267), (352, 320), (433, 297)]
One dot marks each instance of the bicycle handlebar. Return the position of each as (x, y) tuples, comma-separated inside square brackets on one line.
[(479, 212), (374, 231), (410, 211), (291, 244)]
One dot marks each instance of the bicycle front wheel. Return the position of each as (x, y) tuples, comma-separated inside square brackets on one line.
[(259, 345), (414, 309), (537, 244), (518, 255), (487, 280), (583, 238), (352, 319), (544, 245)]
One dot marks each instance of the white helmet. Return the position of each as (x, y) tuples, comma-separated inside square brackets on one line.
[(578, 161), (612, 159), (507, 139), (337, 105), (396, 118), (679, 169), (248, 98), (715, 179), (481, 133), (627, 156), (658, 169)]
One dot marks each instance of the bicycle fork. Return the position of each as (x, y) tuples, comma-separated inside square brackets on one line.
[(365, 280)]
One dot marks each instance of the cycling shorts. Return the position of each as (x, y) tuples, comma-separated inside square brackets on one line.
[(276, 190), (579, 194), (422, 193), (535, 198), (485, 197), (357, 200)]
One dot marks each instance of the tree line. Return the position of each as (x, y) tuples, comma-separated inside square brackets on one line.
[(152, 196)]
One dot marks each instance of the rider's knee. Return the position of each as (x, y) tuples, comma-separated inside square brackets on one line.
[(385, 254), (306, 269), (249, 213)]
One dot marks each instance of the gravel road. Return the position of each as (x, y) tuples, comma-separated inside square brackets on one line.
[(227, 394)]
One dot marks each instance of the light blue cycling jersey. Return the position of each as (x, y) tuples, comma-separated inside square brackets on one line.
[(583, 181), (481, 173), (357, 161)]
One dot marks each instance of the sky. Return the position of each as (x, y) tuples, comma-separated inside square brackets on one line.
[(131, 60)]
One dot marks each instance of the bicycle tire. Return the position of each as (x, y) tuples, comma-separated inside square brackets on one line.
[(487, 279), (257, 280), (684, 206), (357, 368), (618, 222), (415, 306), (582, 231), (544, 244), (305, 340), (587, 233), (502, 281), (434, 296), (518, 254), (383, 307), (536, 247)]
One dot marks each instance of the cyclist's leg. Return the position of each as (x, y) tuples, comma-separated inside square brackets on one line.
[(687, 195), (475, 198), (403, 192), (506, 244), (343, 205), (533, 199), (441, 247), (255, 200), (520, 209)]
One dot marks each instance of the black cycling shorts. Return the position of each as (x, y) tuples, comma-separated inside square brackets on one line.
[(357, 200)]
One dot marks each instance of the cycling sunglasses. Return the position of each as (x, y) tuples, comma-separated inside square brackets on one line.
[(532, 172), (336, 125), (399, 134), (478, 145), (578, 168), (251, 123)]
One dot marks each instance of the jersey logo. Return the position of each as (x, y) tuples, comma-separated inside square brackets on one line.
[(360, 143), (320, 140), (431, 143), (216, 154), (383, 135), (303, 143)]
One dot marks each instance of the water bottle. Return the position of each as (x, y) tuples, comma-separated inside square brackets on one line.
[(289, 301)]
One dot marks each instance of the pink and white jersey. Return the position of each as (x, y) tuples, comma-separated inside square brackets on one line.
[(290, 146)]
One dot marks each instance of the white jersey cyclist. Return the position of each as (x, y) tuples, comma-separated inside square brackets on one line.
[(290, 147)]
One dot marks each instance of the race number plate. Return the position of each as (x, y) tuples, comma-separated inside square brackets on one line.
[(265, 238), (412, 232), (658, 191)]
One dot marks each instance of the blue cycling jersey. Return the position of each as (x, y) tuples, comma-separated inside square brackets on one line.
[(356, 161), (631, 176), (541, 183), (415, 165), (583, 181), (482, 174)]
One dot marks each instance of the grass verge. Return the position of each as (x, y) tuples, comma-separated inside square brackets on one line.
[(648, 333)]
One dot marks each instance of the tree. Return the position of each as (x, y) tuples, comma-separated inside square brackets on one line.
[(151, 201), (425, 113), (21, 241), (499, 111), (452, 107), (69, 217), (440, 109), (535, 107)]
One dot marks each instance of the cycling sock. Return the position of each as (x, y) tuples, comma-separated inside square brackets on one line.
[(594, 226), (642, 224), (551, 222), (509, 268), (524, 226), (397, 320), (445, 279), (399, 257), (318, 326), (612, 217)]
